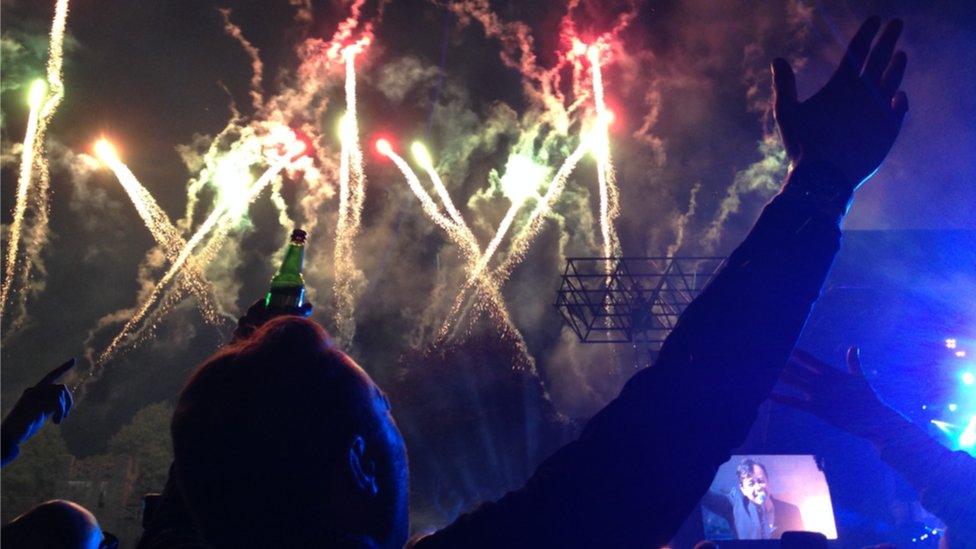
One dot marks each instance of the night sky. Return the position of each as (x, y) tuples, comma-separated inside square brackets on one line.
[(688, 82)]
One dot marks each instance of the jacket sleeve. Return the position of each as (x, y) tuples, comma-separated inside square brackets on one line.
[(644, 461), (944, 480)]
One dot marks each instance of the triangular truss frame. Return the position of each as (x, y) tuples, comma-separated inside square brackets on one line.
[(639, 301)]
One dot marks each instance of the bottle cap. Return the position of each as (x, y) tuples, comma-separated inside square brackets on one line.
[(298, 236)]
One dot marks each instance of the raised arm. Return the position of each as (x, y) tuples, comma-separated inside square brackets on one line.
[(47, 399), (945, 480), (642, 463)]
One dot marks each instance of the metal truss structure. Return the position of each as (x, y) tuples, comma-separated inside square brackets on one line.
[(638, 302)]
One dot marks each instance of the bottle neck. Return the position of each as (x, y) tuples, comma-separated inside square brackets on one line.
[(290, 272)]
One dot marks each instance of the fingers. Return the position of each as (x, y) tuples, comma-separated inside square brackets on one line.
[(811, 362), (854, 361), (799, 377), (256, 308), (793, 402), (65, 401), (893, 75), (55, 374), (881, 54), (899, 104), (857, 51)]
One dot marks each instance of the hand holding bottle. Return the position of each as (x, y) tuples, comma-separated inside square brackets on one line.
[(286, 296)]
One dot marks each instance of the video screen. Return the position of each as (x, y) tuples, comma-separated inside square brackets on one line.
[(755, 497)]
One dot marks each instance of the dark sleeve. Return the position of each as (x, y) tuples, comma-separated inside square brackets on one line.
[(166, 522), (945, 480), (718, 504), (9, 449), (644, 461)]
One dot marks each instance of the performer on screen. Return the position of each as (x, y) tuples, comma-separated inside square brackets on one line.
[(750, 510)]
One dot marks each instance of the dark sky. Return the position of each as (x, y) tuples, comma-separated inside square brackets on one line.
[(155, 75)]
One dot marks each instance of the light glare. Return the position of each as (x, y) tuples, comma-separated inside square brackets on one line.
[(38, 90), (105, 151)]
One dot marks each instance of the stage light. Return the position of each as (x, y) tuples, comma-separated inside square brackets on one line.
[(968, 378), (943, 426), (953, 406), (950, 343), (960, 354), (968, 437)]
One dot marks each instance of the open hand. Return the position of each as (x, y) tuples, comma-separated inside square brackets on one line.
[(46, 399), (842, 399), (852, 122)]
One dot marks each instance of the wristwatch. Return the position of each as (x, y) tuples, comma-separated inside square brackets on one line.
[(820, 184)]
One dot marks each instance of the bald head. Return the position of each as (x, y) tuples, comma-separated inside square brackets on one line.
[(281, 437), (56, 523)]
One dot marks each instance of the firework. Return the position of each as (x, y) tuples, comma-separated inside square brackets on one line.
[(458, 231), (426, 202), (44, 100), (162, 229), (220, 222), (525, 236), (609, 203), (352, 195), (35, 100)]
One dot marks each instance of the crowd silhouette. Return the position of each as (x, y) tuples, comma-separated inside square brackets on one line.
[(282, 440)]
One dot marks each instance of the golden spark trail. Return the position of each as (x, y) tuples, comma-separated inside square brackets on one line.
[(149, 211), (426, 202), (217, 217), (462, 235), (528, 232), (522, 240), (37, 92), (456, 229), (46, 101), (609, 202), (423, 158), (352, 195), (55, 60), (162, 229)]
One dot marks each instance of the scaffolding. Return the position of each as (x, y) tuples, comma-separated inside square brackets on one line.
[(638, 302)]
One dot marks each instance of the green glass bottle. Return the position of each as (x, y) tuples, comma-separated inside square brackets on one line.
[(288, 286)]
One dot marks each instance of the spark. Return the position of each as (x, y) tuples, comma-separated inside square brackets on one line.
[(517, 171), (37, 91), (528, 232), (44, 99), (220, 221), (422, 156), (162, 229), (609, 200), (225, 165), (525, 236), (426, 202), (352, 195), (458, 231)]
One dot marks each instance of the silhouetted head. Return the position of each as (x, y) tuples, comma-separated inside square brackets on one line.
[(281, 440), (56, 523), (753, 482)]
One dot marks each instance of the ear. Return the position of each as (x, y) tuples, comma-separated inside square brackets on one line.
[(362, 467)]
